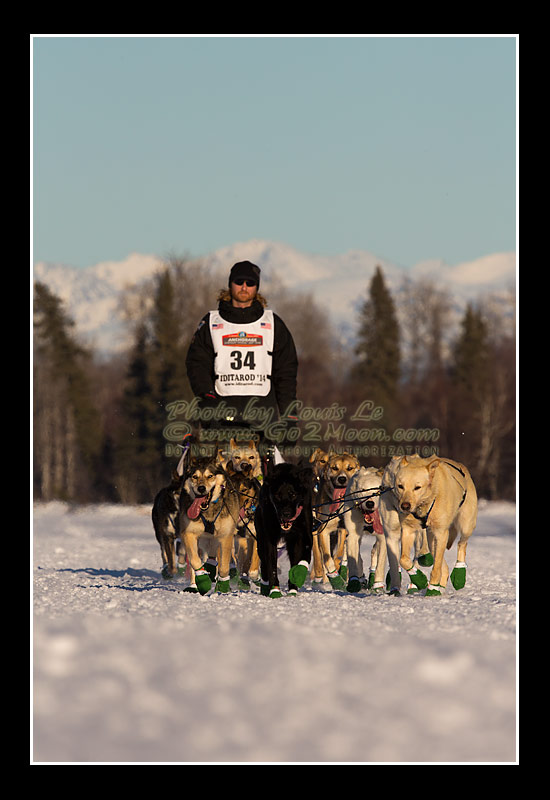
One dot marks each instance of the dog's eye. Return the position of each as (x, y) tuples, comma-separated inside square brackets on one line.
[(400, 486), (416, 488)]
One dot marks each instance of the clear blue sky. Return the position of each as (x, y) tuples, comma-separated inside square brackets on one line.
[(405, 147)]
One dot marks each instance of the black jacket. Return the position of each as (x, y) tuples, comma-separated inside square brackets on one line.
[(200, 360)]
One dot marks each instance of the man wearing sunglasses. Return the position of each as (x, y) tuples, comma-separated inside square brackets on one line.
[(243, 354)]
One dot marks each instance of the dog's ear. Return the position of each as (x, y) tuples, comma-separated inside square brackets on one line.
[(314, 455), (433, 465)]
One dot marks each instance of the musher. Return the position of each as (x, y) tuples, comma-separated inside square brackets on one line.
[(242, 361)]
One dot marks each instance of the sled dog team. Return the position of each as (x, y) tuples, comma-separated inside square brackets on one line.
[(222, 521)]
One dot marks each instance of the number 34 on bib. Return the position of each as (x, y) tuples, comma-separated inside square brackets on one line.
[(244, 355)]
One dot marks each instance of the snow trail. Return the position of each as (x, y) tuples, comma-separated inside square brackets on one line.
[(129, 669)]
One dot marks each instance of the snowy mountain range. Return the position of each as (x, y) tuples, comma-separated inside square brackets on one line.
[(338, 283)]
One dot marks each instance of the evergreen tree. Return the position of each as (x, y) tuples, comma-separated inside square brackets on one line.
[(68, 437), (377, 369), (139, 448), (472, 355), (168, 373)]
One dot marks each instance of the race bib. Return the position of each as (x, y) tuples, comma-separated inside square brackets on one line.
[(243, 355)]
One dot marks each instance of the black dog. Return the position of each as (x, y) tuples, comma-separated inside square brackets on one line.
[(284, 513), (165, 515)]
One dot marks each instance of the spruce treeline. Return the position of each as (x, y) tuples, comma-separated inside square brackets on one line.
[(100, 425)]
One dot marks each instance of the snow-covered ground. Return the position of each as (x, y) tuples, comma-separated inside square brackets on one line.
[(129, 669)]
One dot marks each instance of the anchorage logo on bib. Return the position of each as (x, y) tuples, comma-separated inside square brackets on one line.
[(242, 339)]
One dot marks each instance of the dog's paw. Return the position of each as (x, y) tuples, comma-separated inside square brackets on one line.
[(298, 573), (192, 589), (418, 578), (202, 578), (274, 592), (166, 573), (377, 588), (426, 560), (336, 580), (434, 590), (458, 575), (211, 567), (223, 585), (354, 584), (243, 583)]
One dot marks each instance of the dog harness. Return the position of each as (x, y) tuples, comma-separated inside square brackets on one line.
[(243, 355)]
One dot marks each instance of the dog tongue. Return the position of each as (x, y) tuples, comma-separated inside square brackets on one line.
[(373, 518), (195, 508), (336, 496)]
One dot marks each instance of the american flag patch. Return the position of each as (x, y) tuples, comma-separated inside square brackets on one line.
[(266, 325), (217, 325)]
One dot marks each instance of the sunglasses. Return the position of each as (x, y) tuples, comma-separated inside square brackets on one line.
[(241, 281)]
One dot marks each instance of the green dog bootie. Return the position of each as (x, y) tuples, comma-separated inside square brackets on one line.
[(354, 584), (211, 566), (223, 585), (434, 590), (336, 580), (418, 578), (267, 592), (343, 571), (298, 574), (202, 578), (427, 560), (458, 575)]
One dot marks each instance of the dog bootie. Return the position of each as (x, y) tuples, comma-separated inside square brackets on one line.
[(267, 592), (223, 585), (458, 575), (426, 560), (354, 584), (418, 578), (434, 590), (377, 588), (211, 566), (336, 580), (204, 584), (298, 573), (192, 589), (243, 583)]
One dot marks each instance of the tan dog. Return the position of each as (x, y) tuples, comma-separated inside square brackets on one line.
[(440, 496), (362, 517), (208, 513), (339, 470), (245, 458), (402, 532)]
